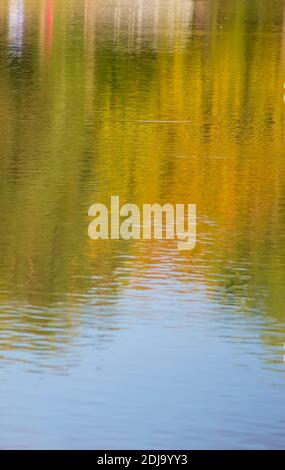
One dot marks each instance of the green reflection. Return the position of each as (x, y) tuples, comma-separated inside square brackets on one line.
[(75, 80)]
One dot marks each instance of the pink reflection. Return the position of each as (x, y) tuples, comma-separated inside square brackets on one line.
[(46, 27), (49, 23)]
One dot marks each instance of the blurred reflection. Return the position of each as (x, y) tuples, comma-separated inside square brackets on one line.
[(71, 137), (48, 24), (16, 26)]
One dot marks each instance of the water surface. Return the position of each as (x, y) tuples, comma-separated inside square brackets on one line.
[(132, 344)]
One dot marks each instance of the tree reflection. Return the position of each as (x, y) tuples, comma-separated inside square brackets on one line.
[(70, 137)]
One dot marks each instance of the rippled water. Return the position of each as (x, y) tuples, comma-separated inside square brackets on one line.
[(132, 344)]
